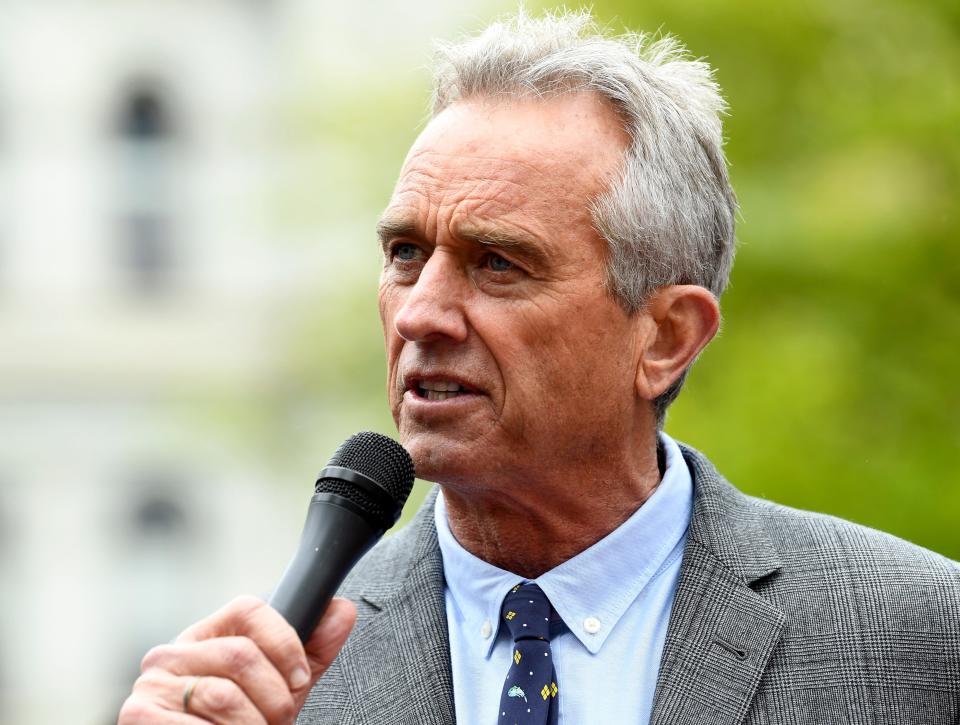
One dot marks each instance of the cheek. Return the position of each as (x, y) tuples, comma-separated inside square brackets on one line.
[(393, 343), (389, 301), (572, 354), (539, 357)]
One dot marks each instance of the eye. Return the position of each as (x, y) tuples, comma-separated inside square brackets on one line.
[(496, 263), (405, 252)]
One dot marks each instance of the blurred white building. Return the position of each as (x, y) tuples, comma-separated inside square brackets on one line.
[(142, 279)]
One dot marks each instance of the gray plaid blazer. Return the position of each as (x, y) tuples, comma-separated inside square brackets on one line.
[(780, 616)]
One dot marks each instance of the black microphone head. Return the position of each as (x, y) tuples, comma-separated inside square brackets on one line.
[(386, 474)]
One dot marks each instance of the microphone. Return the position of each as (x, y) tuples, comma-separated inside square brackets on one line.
[(359, 495)]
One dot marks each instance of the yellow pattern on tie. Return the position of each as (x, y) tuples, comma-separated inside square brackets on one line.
[(516, 656)]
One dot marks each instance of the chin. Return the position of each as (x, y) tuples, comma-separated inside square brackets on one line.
[(443, 461)]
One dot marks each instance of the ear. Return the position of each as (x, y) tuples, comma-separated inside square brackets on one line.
[(681, 320)]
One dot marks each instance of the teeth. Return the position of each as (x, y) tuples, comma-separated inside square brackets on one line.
[(440, 385), (439, 394)]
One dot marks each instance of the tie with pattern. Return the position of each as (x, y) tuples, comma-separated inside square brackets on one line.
[(530, 690)]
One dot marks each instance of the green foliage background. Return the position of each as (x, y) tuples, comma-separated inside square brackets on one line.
[(833, 385)]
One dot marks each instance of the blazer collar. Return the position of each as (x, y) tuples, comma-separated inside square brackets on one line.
[(728, 523), (721, 632)]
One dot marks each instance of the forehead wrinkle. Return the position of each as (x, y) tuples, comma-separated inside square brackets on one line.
[(472, 165), (482, 197), (412, 196)]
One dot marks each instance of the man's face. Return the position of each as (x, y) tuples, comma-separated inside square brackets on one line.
[(505, 352)]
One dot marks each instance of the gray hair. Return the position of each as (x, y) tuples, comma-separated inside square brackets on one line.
[(669, 216)]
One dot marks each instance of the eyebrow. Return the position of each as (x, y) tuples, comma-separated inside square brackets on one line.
[(485, 235), (389, 228), (490, 236)]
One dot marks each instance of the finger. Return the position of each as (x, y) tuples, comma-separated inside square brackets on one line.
[(234, 658), (330, 635), (211, 699), (220, 700), (138, 710), (250, 617)]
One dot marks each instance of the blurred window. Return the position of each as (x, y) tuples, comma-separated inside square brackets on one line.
[(160, 515), (146, 245), (145, 116), (158, 511), (147, 253)]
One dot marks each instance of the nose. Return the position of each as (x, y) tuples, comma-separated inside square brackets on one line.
[(433, 307)]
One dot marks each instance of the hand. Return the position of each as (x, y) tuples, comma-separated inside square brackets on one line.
[(242, 665)]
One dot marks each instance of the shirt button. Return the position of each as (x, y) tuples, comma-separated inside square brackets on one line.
[(591, 625), (486, 629)]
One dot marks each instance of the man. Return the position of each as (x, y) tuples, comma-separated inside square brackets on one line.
[(553, 255)]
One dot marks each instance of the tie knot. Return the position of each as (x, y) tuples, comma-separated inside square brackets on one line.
[(526, 612)]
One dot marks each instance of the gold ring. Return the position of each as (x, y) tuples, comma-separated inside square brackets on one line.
[(188, 693)]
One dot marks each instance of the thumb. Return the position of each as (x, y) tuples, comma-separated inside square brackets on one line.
[(329, 636)]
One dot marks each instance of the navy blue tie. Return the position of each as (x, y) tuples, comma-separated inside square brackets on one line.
[(530, 690)]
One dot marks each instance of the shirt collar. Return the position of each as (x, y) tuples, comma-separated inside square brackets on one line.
[(477, 588), (590, 591)]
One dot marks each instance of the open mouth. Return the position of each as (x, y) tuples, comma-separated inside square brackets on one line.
[(439, 389)]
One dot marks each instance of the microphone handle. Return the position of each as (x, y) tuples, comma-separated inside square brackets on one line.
[(336, 534)]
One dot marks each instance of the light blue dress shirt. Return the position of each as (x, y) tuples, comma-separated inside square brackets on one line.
[(614, 601)]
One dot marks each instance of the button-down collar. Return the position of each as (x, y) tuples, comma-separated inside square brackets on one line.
[(590, 591)]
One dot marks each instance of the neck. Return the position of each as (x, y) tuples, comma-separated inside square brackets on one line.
[(529, 525)]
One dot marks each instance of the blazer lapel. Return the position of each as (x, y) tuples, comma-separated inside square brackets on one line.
[(409, 669), (721, 632)]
